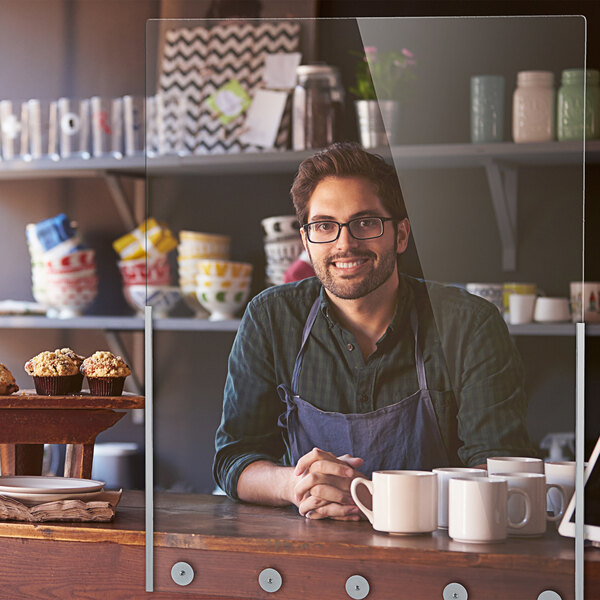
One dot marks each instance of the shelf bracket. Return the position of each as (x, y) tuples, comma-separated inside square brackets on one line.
[(503, 180), (118, 195)]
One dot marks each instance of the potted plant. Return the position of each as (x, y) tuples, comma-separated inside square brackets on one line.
[(383, 80)]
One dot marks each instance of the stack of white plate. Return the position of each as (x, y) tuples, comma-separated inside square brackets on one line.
[(283, 246), (36, 489)]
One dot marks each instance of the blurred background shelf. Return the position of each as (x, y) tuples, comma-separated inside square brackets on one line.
[(115, 323), (192, 324), (422, 156), (552, 329)]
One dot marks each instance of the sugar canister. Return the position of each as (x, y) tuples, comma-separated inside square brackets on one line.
[(318, 106), (570, 105), (534, 110)]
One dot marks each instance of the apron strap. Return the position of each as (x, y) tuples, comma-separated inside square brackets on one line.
[(419, 361), (312, 316)]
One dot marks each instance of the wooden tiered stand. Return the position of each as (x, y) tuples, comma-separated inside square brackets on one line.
[(28, 421)]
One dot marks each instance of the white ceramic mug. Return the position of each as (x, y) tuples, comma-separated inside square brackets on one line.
[(514, 464), (520, 308), (551, 310), (563, 473), (444, 474), (537, 489), (477, 509), (403, 501)]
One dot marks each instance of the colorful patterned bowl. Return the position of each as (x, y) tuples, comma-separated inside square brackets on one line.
[(188, 293), (222, 304), (162, 298), (136, 272), (226, 269), (70, 297)]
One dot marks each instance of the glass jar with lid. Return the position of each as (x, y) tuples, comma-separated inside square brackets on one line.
[(570, 105), (534, 110), (318, 106)]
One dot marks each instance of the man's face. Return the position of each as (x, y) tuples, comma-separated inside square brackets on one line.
[(349, 268)]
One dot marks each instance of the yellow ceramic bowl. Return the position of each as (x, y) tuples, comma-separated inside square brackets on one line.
[(226, 269)]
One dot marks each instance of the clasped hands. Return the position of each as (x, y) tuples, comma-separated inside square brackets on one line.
[(321, 486)]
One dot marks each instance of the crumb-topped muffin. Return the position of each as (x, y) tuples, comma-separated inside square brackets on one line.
[(56, 373), (106, 373), (8, 385)]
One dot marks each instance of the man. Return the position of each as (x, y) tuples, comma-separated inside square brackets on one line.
[(361, 367)]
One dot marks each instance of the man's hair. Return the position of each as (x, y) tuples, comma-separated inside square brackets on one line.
[(347, 159)]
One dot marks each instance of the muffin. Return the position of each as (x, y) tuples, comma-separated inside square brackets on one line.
[(8, 385), (78, 360), (56, 373), (106, 373)]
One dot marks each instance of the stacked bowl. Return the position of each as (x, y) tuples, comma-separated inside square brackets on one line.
[(195, 246), (223, 287), (71, 282), (63, 269), (283, 246), (38, 268), (145, 276)]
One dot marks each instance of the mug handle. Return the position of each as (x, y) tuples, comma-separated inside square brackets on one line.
[(369, 485), (563, 504), (525, 519)]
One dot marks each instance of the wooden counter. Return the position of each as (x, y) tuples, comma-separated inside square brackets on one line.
[(229, 544)]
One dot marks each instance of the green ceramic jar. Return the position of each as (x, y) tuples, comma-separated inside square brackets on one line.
[(570, 105)]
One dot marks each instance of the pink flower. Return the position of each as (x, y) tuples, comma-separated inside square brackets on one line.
[(407, 53), (370, 50)]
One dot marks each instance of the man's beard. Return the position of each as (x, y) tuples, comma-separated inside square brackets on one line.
[(355, 287)]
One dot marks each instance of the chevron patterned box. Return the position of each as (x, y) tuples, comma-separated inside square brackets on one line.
[(198, 61)]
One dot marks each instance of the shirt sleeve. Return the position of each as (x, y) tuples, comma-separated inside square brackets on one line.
[(492, 405), (251, 406)]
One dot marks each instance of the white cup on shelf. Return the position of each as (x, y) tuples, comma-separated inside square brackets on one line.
[(520, 308)]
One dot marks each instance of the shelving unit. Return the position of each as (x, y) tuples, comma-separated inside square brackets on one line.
[(501, 163)]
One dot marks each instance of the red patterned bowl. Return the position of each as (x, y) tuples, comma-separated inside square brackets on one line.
[(154, 272), (81, 260)]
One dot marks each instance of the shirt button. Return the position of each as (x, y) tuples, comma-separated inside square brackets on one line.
[(350, 347), (364, 398)]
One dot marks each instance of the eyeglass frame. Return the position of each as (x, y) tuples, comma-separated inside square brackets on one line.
[(347, 224)]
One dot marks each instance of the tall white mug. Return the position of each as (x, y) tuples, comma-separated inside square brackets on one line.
[(404, 502), (514, 464), (444, 475), (536, 487), (477, 509)]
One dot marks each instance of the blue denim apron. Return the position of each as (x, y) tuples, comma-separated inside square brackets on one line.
[(404, 435)]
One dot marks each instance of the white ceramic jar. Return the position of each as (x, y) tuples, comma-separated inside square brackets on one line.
[(534, 103)]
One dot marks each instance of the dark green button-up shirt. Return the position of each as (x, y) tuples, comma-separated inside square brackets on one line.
[(474, 373)]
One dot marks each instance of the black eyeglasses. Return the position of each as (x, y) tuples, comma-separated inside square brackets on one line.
[(362, 228)]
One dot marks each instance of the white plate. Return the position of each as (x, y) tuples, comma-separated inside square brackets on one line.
[(30, 499), (38, 484)]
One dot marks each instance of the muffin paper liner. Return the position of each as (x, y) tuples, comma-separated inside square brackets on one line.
[(58, 385), (106, 386)]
